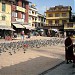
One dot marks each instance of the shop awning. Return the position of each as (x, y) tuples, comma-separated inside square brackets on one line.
[(28, 27), (11, 29), (6, 28), (18, 25), (55, 30)]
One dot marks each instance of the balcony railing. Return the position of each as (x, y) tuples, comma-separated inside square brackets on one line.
[(19, 20), (20, 9), (66, 26), (33, 14), (56, 17)]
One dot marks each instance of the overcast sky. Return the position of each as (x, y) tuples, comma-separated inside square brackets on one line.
[(43, 4)]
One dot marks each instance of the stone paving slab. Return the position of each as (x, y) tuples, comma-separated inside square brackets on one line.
[(64, 69), (30, 67), (32, 38), (30, 63)]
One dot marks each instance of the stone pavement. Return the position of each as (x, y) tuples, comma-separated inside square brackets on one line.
[(62, 69), (31, 38), (33, 62), (36, 61)]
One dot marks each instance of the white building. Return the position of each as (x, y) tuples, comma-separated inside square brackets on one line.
[(33, 13)]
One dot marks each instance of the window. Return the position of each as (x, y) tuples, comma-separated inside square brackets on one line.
[(50, 22), (57, 14), (32, 12), (3, 7), (30, 18), (29, 11), (23, 15), (13, 14), (35, 12), (3, 17), (64, 14), (56, 21), (23, 4), (38, 24), (39, 18), (64, 21), (41, 25), (32, 24), (33, 18), (44, 19), (16, 14), (70, 25), (50, 15), (35, 25)]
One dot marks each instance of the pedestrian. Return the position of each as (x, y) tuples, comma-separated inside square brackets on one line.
[(15, 35), (22, 35), (29, 35), (68, 49)]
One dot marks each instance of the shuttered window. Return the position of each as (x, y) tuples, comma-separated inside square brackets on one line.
[(3, 7)]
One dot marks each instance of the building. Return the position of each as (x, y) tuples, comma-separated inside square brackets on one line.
[(73, 17), (20, 15), (33, 12), (70, 26), (41, 21), (36, 20), (56, 17), (5, 18)]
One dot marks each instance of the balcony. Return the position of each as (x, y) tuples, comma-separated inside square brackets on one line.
[(56, 18), (68, 26), (19, 20), (18, 8), (35, 15)]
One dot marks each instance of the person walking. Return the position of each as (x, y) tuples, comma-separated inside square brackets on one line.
[(68, 49), (29, 35), (22, 35)]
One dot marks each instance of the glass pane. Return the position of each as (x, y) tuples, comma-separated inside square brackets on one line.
[(3, 17), (3, 6)]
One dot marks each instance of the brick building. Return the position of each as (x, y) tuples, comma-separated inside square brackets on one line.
[(20, 15)]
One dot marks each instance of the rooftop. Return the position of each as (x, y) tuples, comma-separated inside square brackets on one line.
[(60, 8)]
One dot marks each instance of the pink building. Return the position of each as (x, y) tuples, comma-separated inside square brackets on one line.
[(19, 14)]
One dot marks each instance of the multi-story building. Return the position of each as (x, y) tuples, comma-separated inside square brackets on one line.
[(41, 21), (36, 19), (70, 26), (33, 12), (5, 17), (57, 16), (20, 15)]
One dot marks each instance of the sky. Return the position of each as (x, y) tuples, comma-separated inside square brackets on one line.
[(42, 5)]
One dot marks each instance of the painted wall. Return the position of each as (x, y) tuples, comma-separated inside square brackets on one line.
[(60, 18), (7, 14)]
